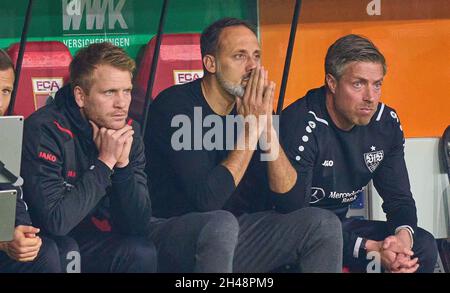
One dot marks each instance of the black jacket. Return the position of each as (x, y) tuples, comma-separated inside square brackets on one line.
[(67, 187), (193, 179), (334, 166)]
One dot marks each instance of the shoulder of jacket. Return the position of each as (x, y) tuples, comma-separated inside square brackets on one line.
[(50, 121)]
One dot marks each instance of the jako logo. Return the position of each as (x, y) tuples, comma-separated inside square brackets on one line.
[(48, 157), (95, 11), (71, 174), (328, 163)]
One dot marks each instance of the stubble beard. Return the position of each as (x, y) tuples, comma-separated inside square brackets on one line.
[(236, 90)]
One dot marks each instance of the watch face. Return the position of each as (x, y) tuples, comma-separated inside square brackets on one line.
[(362, 248)]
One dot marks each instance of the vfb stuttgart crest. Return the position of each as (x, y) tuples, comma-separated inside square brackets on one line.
[(373, 159)]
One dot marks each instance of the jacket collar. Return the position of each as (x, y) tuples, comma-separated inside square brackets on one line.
[(65, 99)]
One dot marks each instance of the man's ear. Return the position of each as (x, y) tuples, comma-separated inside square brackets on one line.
[(80, 96), (209, 61), (331, 83)]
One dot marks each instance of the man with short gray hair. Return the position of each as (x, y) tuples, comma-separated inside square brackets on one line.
[(338, 138)]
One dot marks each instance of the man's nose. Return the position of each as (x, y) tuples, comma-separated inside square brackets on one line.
[(369, 94), (121, 100), (252, 63)]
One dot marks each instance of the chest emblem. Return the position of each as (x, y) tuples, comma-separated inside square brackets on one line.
[(373, 159)]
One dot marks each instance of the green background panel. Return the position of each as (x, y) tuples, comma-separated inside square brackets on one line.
[(141, 18)]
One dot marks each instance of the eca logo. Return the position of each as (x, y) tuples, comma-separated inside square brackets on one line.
[(50, 85), (185, 76), (44, 89)]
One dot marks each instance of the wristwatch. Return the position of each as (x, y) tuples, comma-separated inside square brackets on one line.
[(362, 248)]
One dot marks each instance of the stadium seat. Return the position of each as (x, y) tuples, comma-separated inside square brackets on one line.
[(444, 244), (446, 150), (45, 69), (179, 62)]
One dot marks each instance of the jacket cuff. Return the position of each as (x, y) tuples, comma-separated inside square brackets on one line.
[(104, 172), (360, 245), (24, 222), (289, 201), (122, 174), (410, 231), (222, 180), (292, 192)]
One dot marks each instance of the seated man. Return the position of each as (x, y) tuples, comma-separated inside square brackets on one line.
[(27, 252), (83, 165), (192, 175), (339, 137)]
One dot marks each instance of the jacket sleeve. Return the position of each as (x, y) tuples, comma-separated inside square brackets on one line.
[(392, 182), (208, 187), (130, 200), (206, 184), (55, 206), (22, 216), (302, 155)]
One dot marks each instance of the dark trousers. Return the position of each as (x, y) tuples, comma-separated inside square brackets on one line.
[(195, 242), (306, 240), (424, 244), (67, 246), (108, 252), (47, 260)]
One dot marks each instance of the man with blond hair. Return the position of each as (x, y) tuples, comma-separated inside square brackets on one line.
[(83, 165)]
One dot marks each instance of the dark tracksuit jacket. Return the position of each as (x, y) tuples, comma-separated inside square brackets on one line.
[(67, 187), (334, 166)]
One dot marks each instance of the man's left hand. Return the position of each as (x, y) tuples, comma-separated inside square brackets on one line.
[(124, 159), (400, 244)]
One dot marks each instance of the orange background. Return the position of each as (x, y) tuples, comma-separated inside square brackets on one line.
[(414, 36)]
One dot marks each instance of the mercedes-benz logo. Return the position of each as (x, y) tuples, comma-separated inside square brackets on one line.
[(317, 194)]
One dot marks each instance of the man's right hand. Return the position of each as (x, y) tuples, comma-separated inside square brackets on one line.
[(403, 262), (257, 98), (110, 143), (394, 258), (25, 244), (253, 107)]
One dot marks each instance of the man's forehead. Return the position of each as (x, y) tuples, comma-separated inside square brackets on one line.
[(106, 69), (107, 74), (238, 38), (363, 68), (7, 75)]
